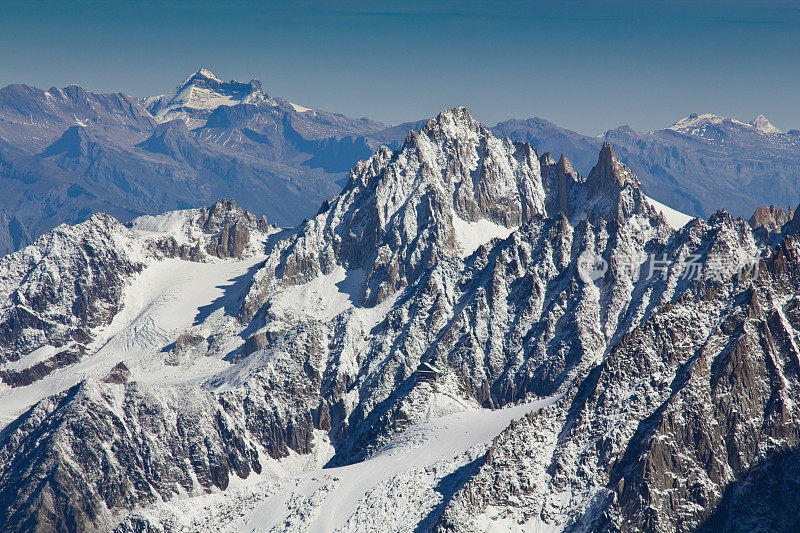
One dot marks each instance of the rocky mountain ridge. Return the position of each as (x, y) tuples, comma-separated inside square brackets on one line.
[(698, 165), (66, 154), (504, 269)]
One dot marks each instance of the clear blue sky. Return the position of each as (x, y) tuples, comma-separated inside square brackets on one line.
[(589, 66)]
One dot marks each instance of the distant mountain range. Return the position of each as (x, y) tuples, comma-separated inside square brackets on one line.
[(698, 165), (68, 153)]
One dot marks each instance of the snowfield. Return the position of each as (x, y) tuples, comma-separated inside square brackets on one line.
[(401, 484), (160, 303), (471, 235), (675, 219)]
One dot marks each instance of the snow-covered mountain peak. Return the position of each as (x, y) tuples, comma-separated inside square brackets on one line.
[(763, 125), (202, 73), (201, 93), (205, 79), (698, 125), (477, 174), (454, 123), (402, 212), (694, 123)]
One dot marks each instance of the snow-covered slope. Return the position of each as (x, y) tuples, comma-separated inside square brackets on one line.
[(200, 94), (251, 359), (91, 296), (674, 218), (406, 482)]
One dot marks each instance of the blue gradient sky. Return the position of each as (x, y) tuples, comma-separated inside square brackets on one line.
[(589, 66)]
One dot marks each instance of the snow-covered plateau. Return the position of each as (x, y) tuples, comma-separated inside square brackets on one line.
[(425, 354)]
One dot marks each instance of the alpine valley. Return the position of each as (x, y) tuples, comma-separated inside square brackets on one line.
[(434, 350)]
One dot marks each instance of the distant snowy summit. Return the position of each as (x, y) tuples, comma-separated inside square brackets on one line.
[(203, 92), (698, 125)]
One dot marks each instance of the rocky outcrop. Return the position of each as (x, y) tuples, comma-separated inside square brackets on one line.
[(26, 375), (230, 227), (119, 374), (223, 230), (613, 191), (771, 218)]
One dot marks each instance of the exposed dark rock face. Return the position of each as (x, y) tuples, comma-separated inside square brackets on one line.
[(223, 230), (119, 374), (771, 218), (13, 232), (230, 226), (763, 499), (35, 372), (101, 448)]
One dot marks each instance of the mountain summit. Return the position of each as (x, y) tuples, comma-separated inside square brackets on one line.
[(763, 125), (698, 125), (199, 94)]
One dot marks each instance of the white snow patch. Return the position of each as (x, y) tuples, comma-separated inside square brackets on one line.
[(171, 222), (158, 305), (299, 108), (324, 297), (471, 235), (675, 218)]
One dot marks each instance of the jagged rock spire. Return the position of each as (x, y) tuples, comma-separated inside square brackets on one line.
[(771, 218), (609, 174), (614, 192), (567, 180)]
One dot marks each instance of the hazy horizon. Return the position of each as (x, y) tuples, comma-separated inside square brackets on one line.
[(586, 66)]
